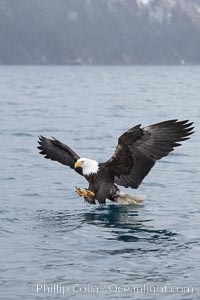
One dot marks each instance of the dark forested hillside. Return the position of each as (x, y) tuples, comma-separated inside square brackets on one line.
[(99, 32)]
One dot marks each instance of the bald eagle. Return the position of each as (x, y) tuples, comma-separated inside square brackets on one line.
[(137, 151)]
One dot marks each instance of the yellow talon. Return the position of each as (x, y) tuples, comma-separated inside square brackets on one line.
[(81, 192), (84, 193), (90, 193)]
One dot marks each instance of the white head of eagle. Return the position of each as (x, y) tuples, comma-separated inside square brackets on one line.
[(89, 166)]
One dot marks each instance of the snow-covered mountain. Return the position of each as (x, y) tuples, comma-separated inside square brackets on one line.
[(100, 32)]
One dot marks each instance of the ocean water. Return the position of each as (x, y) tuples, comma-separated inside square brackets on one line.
[(55, 246)]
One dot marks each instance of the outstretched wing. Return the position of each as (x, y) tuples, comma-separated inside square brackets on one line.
[(139, 148), (55, 150)]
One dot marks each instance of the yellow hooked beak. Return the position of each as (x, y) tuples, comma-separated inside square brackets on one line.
[(78, 164)]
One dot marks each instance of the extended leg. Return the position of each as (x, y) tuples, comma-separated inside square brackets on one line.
[(88, 195)]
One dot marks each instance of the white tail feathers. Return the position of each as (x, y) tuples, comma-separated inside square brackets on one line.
[(122, 198)]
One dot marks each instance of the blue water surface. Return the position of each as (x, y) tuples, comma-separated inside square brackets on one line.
[(53, 245)]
